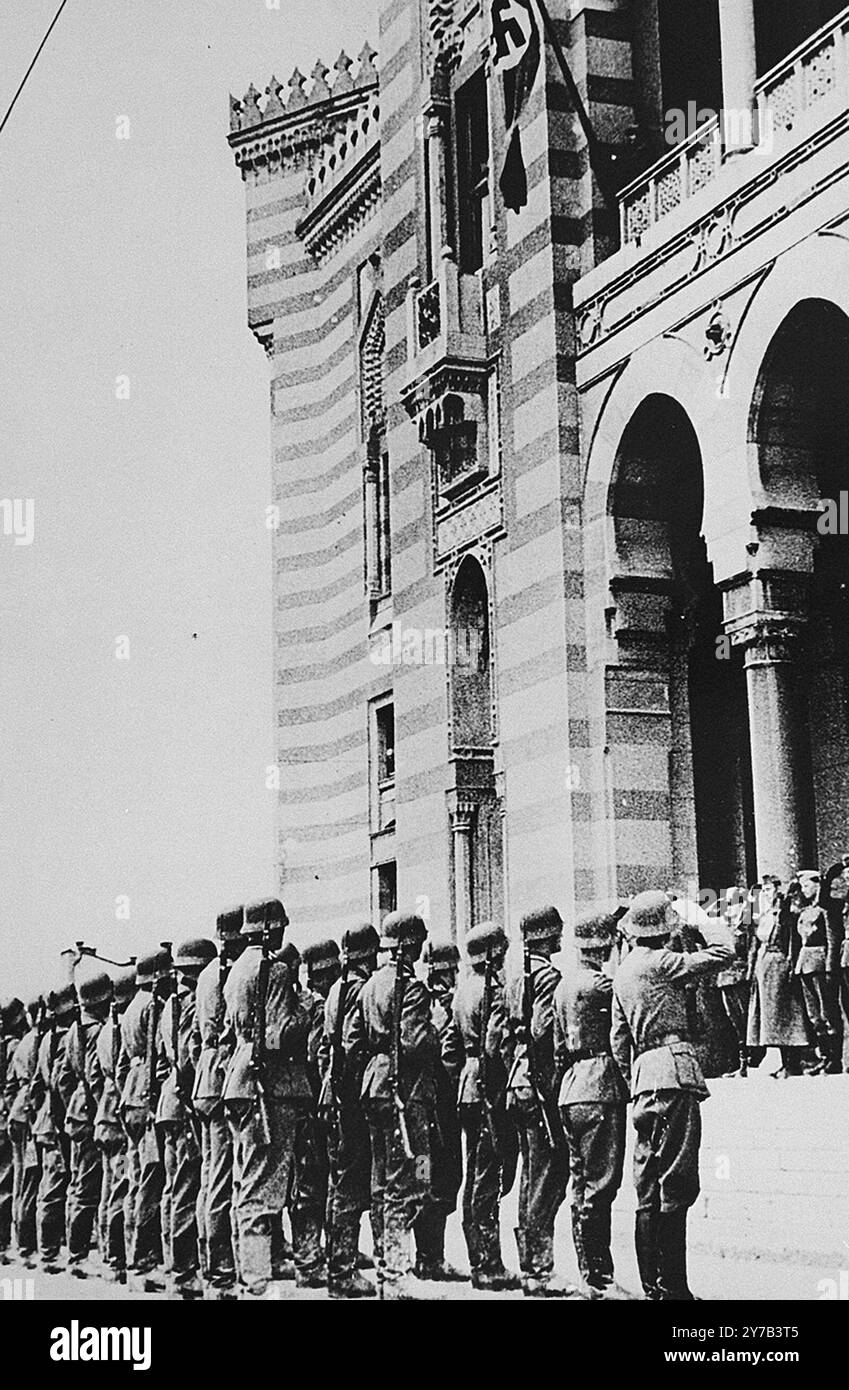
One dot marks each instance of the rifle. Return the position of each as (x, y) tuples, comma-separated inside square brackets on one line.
[(258, 1040), (336, 1059), (552, 1130), (152, 1032), (483, 1058), (395, 1054)]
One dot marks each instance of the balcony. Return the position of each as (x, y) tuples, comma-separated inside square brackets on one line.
[(722, 188)]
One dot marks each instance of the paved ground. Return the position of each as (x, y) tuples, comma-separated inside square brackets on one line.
[(712, 1278)]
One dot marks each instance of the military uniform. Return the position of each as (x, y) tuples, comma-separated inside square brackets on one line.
[(52, 1085), (12, 1024), (816, 960), (341, 1106), (545, 1153), (733, 982), (216, 1181), (396, 1027), (478, 1040), (83, 1067), (656, 1056), (20, 1114), (593, 1099), (176, 1119), (109, 1134), (145, 1170), (264, 1110), (441, 961), (308, 1212)]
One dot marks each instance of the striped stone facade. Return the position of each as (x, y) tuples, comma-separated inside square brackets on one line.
[(485, 403), (478, 831)]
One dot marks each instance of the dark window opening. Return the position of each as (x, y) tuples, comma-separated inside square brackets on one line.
[(472, 172), (384, 532), (690, 64), (384, 752), (387, 889), (781, 25)]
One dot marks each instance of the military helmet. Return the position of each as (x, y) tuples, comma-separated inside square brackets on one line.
[(596, 930), (648, 915), (320, 955), (291, 956), (194, 954), (228, 924), (124, 983), (361, 942), (12, 1011), (401, 927), (440, 954), (62, 1002), (153, 967), (96, 990), (265, 912), (542, 924), (484, 940)]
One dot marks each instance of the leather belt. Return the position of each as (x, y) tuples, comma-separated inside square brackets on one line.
[(663, 1040)]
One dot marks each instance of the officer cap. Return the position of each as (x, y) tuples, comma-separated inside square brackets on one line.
[(401, 927), (648, 915), (63, 1001), (11, 1012), (542, 924), (266, 912), (153, 967), (596, 930), (228, 924), (440, 953), (124, 983), (361, 942), (485, 939), (96, 990), (194, 954), (808, 874), (320, 955)]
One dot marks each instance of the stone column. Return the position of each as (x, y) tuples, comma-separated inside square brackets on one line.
[(438, 229), (739, 72), (461, 834), (778, 746)]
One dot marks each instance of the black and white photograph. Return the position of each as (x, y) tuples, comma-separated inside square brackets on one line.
[(424, 673)]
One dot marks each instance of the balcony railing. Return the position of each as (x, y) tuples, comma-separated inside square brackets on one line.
[(812, 72), (688, 168), (815, 71), (451, 304)]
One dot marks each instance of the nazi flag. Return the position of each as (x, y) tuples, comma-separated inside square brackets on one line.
[(516, 49)]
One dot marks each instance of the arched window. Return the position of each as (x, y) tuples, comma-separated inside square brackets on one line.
[(471, 670)]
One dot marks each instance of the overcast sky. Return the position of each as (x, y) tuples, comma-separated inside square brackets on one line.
[(142, 778)]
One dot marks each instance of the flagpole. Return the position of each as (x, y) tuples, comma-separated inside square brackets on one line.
[(599, 162)]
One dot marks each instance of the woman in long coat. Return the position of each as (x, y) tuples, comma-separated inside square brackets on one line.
[(776, 1013)]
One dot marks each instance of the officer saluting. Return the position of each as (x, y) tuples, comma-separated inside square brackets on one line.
[(593, 1100), (650, 1026)]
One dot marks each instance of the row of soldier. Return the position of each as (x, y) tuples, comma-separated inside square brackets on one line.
[(171, 1115)]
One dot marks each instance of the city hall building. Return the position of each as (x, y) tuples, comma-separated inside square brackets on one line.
[(559, 614)]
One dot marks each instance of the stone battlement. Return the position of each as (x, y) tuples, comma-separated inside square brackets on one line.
[(248, 113)]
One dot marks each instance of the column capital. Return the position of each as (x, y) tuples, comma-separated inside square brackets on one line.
[(766, 614)]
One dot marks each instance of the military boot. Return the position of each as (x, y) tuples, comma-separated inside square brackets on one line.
[(538, 1279), (646, 1244), (398, 1282), (344, 1279), (310, 1271), (672, 1256), (431, 1263)]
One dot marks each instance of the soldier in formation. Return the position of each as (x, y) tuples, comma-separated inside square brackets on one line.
[(180, 1115)]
